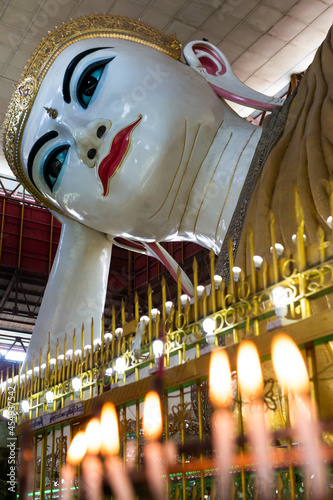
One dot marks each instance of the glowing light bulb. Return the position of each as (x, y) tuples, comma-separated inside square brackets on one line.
[(217, 281), (278, 249), (69, 354), (257, 262), (168, 307), (236, 271), (49, 396), (25, 405), (154, 313), (158, 347), (152, 416), (118, 332), (184, 300), (200, 290), (280, 296), (208, 326), (76, 384), (249, 372), (120, 366), (289, 365), (220, 383)]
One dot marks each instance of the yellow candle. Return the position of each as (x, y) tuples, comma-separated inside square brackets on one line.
[(220, 383), (152, 416), (109, 430)]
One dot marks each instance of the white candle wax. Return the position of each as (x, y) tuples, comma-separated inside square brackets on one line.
[(223, 442), (155, 468), (118, 479), (92, 475), (259, 440), (67, 474), (308, 431)]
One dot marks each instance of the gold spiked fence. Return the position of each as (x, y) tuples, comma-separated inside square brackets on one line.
[(240, 309)]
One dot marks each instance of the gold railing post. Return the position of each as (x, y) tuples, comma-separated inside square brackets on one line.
[(21, 237), (43, 466), (252, 267), (166, 426), (231, 265), (202, 474), (212, 274), (102, 340), (2, 225), (91, 364), (73, 355), (51, 243), (136, 308), (150, 306), (310, 355), (123, 315), (113, 354), (274, 254), (195, 281), (163, 285), (82, 349), (321, 243), (182, 433)]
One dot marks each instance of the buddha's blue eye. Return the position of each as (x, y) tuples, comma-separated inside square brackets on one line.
[(53, 165), (89, 80)]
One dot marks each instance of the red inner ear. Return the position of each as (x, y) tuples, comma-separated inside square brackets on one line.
[(212, 62)]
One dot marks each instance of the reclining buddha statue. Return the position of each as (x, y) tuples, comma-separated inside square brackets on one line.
[(128, 145)]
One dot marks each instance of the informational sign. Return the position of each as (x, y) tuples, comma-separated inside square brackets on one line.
[(71, 411)]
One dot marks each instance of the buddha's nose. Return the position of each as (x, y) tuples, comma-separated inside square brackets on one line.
[(89, 139)]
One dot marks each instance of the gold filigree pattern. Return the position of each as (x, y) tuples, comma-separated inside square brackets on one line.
[(92, 26)]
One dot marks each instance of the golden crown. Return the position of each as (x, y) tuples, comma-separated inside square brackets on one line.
[(92, 26)]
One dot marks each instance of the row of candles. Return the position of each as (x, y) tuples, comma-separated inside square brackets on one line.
[(97, 448)]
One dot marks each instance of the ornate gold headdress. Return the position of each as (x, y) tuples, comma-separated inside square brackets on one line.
[(49, 48)]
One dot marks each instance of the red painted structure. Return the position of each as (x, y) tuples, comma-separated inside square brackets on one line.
[(28, 243)]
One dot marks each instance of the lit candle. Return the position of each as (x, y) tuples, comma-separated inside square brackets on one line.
[(220, 393), (153, 451), (251, 385), (75, 454), (115, 472), (92, 471), (293, 377)]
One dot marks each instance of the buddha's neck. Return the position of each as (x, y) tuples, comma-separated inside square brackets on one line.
[(210, 194)]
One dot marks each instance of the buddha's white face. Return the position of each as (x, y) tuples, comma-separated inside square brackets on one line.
[(126, 121)]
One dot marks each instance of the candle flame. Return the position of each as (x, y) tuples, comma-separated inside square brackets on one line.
[(152, 415), (220, 383), (93, 436), (249, 372), (77, 449), (289, 365), (109, 430)]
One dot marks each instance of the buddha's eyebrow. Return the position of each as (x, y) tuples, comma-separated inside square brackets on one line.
[(70, 70), (36, 147)]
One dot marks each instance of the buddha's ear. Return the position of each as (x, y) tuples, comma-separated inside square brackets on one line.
[(212, 64)]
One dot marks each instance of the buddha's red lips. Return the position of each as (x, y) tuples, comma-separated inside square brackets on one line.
[(119, 147)]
